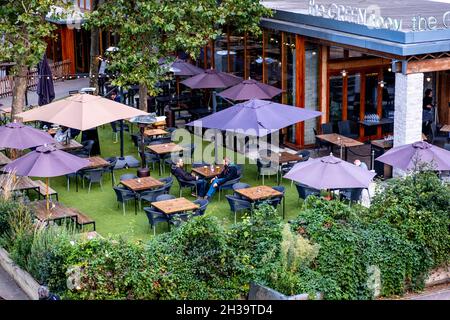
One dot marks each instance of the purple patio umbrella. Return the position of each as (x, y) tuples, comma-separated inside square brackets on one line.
[(45, 88), (408, 157), (330, 173), (46, 161), (250, 89), (212, 79), (16, 135), (186, 69)]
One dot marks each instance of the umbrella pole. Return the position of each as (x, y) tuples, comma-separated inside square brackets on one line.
[(46, 194), (214, 101), (216, 148), (121, 140)]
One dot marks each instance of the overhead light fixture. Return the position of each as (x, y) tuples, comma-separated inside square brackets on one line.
[(112, 49), (314, 53), (344, 73), (225, 52), (382, 84), (390, 69), (428, 79)]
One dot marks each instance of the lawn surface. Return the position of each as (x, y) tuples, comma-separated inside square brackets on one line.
[(102, 206)]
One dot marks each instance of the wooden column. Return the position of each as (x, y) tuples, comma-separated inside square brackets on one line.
[(283, 68), (300, 85), (380, 101), (68, 47), (323, 83), (213, 62), (362, 104), (345, 97)]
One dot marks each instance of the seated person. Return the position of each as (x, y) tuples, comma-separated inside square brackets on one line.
[(178, 171), (229, 172), (62, 134), (360, 164)]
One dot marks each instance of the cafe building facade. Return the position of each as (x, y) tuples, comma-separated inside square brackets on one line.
[(351, 60)]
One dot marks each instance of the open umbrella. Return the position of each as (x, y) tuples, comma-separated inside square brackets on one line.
[(46, 161), (409, 156), (250, 89), (45, 88), (82, 111), (212, 79), (330, 173), (255, 117), (16, 135)]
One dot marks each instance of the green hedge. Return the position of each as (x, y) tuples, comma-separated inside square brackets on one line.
[(345, 252)]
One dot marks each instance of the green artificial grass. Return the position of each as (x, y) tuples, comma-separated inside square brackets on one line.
[(102, 206)]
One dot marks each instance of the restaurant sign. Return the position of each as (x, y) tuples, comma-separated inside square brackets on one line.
[(369, 16)]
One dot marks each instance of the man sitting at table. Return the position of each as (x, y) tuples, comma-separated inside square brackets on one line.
[(178, 171), (228, 173)]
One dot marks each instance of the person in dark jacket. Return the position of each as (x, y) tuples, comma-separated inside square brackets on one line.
[(228, 173), (180, 173), (427, 114)]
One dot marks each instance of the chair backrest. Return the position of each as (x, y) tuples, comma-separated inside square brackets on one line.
[(203, 203), (237, 203), (315, 131), (240, 185), (344, 127), (87, 145), (305, 191), (168, 182), (121, 193), (327, 128), (279, 189), (112, 162), (447, 146), (128, 176), (95, 175), (200, 164), (153, 215), (305, 154), (164, 197)]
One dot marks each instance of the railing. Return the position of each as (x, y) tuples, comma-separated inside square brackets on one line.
[(60, 70)]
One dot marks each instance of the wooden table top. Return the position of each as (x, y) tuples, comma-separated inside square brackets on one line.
[(338, 139), (259, 193), (165, 148), (57, 211), (206, 172), (446, 128), (97, 162), (175, 205), (382, 143), (154, 132), (22, 183), (4, 160), (72, 145), (283, 157), (140, 184)]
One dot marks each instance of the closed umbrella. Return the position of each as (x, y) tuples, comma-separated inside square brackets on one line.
[(330, 173), (83, 112), (212, 79), (46, 161), (16, 135), (410, 156), (250, 89), (255, 117), (45, 88)]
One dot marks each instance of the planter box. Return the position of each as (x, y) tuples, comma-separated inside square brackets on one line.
[(260, 292), (23, 279)]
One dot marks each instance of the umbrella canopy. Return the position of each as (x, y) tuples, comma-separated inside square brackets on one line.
[(185, 69), (211, 79), (257, 116), (16, 135), (45, 88), (250, 89), (407, 157), (330, 173), (82, 112), (46, 161)]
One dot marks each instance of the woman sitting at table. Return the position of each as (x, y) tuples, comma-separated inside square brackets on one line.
[(181, 174), (228, 173)]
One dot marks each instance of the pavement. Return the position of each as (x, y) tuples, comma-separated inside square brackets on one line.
[(441, 292), (62, 89), (9, 290)]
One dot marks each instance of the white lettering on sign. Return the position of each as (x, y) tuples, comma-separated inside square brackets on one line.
[(357, 15)]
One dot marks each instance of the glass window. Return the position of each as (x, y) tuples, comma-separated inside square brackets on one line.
[(311, 89), (335, 115), (236, 54), (254, 58), (273, 58), (221, 54), (353, 97)]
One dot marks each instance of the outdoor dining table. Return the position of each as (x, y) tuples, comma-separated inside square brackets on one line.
[(141, 184), (22, 184), (154, 132), (206, 171), (57, 211), (340, 141), (260, 193), (4, 160), (282, 157), (163, 149), (173, 206), (95, 163), (72, 145)]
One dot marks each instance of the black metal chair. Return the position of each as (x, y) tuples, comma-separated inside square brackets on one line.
[(164, 197), (266, 168), (345, 129), (229, 184), (155, 217), (436, 136), (276, 201), (86, 150), (128, 176), (112, 164), (238, 186), (150, 195), (326, 128), (168, 182), (123, 195), (237, 204), (203, 203)]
